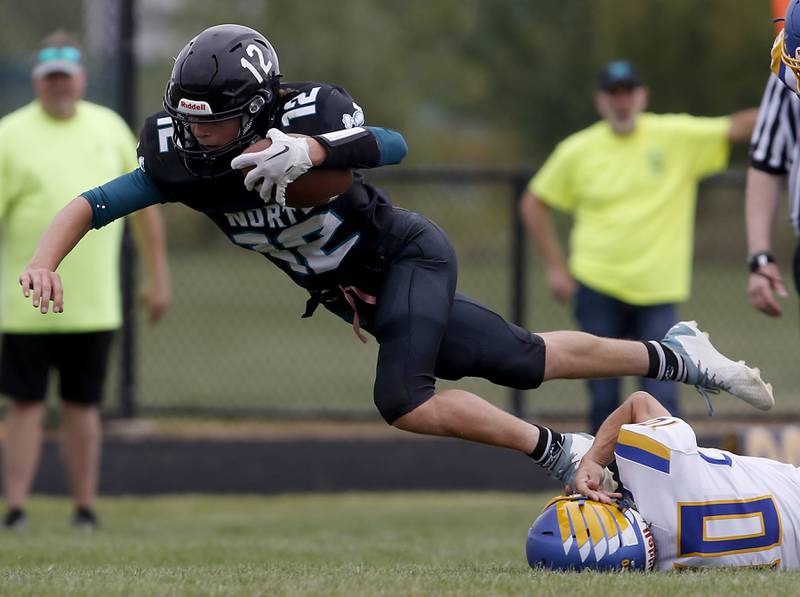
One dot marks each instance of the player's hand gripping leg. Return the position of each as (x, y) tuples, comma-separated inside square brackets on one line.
[(42, 286)]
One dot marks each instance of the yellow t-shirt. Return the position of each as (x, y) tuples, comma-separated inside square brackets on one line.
[(44, 164), (633, 202)]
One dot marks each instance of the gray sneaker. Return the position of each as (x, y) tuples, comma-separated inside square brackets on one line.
[(562, 464), (710, 371)]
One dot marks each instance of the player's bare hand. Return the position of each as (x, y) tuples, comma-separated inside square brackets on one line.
[(763, 286), (42, 285), (562, 285), (156, 298), (589, 482)]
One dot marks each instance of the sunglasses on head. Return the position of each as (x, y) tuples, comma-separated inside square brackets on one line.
[(67, 53)]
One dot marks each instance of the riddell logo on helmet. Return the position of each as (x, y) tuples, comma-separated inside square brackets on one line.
[(194, 107)]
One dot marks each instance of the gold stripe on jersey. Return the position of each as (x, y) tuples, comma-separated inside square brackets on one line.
[(636, 440)]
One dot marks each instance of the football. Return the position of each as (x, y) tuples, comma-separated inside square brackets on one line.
[(315, 187)]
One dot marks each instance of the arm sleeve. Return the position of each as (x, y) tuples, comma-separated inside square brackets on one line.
[(122, 196), (363, 147), (338, 123), (651, 469), (552, 183), (775, 135), (644, 456)]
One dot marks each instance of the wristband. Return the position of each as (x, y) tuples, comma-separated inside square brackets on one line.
[(350, 148), (758, 260)]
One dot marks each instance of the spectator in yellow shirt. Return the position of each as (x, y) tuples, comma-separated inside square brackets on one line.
[(50, 150), (630, 182)]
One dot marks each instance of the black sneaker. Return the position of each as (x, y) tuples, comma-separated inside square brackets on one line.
[(85, 518), (15, 520)]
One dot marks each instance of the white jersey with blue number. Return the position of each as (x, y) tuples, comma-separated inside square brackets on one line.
[(708, 507)]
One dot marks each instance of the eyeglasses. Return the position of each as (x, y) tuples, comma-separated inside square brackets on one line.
[(67, 53)]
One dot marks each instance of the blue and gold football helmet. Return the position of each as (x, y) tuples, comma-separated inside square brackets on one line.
[(575, 533)]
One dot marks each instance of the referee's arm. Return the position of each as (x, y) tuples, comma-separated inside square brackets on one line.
[(772, 150)]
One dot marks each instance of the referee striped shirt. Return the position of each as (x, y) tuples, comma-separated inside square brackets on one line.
[(774, 147)]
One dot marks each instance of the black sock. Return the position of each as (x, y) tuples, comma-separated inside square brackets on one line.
[(548, 441), (13, 517), (665, 363)]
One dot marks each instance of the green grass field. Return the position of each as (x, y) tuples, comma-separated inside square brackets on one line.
[(352, 544)]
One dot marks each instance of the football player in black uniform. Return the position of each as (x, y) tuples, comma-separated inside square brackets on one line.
[(387, 271)]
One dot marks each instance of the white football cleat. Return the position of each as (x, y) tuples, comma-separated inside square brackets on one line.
[(708, 370)]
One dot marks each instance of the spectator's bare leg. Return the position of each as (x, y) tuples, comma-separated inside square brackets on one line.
[(80, 448), (577, 355), (21, 450)]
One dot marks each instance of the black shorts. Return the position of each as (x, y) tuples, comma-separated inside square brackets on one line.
[(427, 330), (81, 361)]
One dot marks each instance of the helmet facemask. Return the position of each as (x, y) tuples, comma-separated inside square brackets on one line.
[(791, 62), (789, 41), (211, 162)]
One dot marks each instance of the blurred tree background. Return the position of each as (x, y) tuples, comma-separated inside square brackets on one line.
[(475, 84), (469, 82)]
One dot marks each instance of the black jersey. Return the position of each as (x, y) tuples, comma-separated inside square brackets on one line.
[(319, 248)]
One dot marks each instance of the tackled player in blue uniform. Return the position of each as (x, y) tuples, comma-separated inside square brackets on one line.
[(386, 270)]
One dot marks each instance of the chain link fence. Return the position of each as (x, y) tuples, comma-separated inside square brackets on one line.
[(234, 343)]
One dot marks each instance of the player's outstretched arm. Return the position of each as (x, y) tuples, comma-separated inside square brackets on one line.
[(39, 281), (639, 407)]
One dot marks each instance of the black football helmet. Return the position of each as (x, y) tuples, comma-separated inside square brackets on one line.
[(227, 71)]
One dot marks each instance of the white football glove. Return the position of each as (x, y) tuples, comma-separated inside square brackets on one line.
[(277, 166)]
